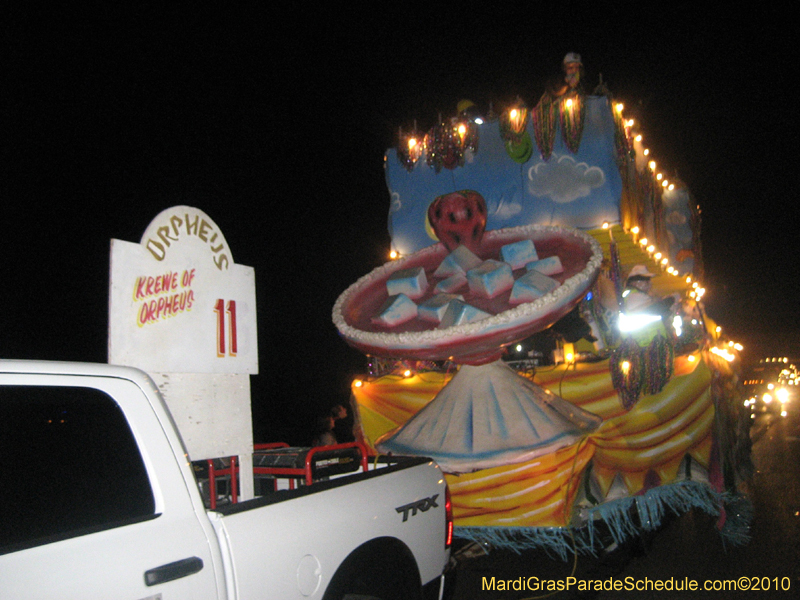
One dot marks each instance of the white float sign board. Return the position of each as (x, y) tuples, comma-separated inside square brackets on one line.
[(184, 312)]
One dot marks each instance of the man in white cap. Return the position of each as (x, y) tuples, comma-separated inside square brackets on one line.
[(637, 289), (644, 316), (568, 81), (572, 66)]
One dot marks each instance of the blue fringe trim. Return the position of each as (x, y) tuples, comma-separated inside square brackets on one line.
[(623, 519)]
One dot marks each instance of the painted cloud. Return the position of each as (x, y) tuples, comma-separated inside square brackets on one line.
[(507, 206), (564, 180)]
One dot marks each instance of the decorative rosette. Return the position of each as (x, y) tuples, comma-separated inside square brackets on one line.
[(626, 372), (636, 370), (621, 137), (513, 129), (545, 119), (409, 149), (572, 112), (447, 142)]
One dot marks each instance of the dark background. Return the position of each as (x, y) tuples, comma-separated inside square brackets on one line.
[(274, 122)]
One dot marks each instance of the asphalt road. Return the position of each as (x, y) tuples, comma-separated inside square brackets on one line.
[(687, 548)]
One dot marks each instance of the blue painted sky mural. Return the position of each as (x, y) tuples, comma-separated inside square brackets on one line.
[(580, 189)]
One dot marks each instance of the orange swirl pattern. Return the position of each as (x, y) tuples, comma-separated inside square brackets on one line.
[(644, 446), (536, 493), (655, 435)]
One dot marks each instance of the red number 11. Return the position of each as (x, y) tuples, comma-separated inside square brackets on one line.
[(219, 308)]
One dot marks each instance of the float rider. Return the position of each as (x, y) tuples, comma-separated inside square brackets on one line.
[(568, 81), (643, 314)]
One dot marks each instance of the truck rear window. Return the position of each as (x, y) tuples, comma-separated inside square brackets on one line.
[(70, 462)]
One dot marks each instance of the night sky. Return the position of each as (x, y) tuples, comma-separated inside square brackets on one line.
[(275, 123)]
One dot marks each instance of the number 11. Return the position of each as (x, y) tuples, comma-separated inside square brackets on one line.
[(219, 308)]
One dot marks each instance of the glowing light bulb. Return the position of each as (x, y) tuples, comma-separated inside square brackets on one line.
[(635, 230), (723, 353), (619, 107), (677, 325), (357, 383)]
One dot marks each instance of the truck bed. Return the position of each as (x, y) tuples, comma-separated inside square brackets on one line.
[(382, 465), (352, 509)]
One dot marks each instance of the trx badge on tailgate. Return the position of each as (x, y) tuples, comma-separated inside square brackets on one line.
[(422, 505)]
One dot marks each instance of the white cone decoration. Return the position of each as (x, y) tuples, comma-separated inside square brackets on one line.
[(489, 416)]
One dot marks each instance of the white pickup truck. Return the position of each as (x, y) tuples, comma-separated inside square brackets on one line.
[(101, 502)]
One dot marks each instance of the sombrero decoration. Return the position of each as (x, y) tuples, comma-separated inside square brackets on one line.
[(502, 320)]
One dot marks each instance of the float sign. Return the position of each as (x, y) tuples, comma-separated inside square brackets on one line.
[(178, 303)]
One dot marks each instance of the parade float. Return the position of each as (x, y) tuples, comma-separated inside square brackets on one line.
[(512, 228)]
